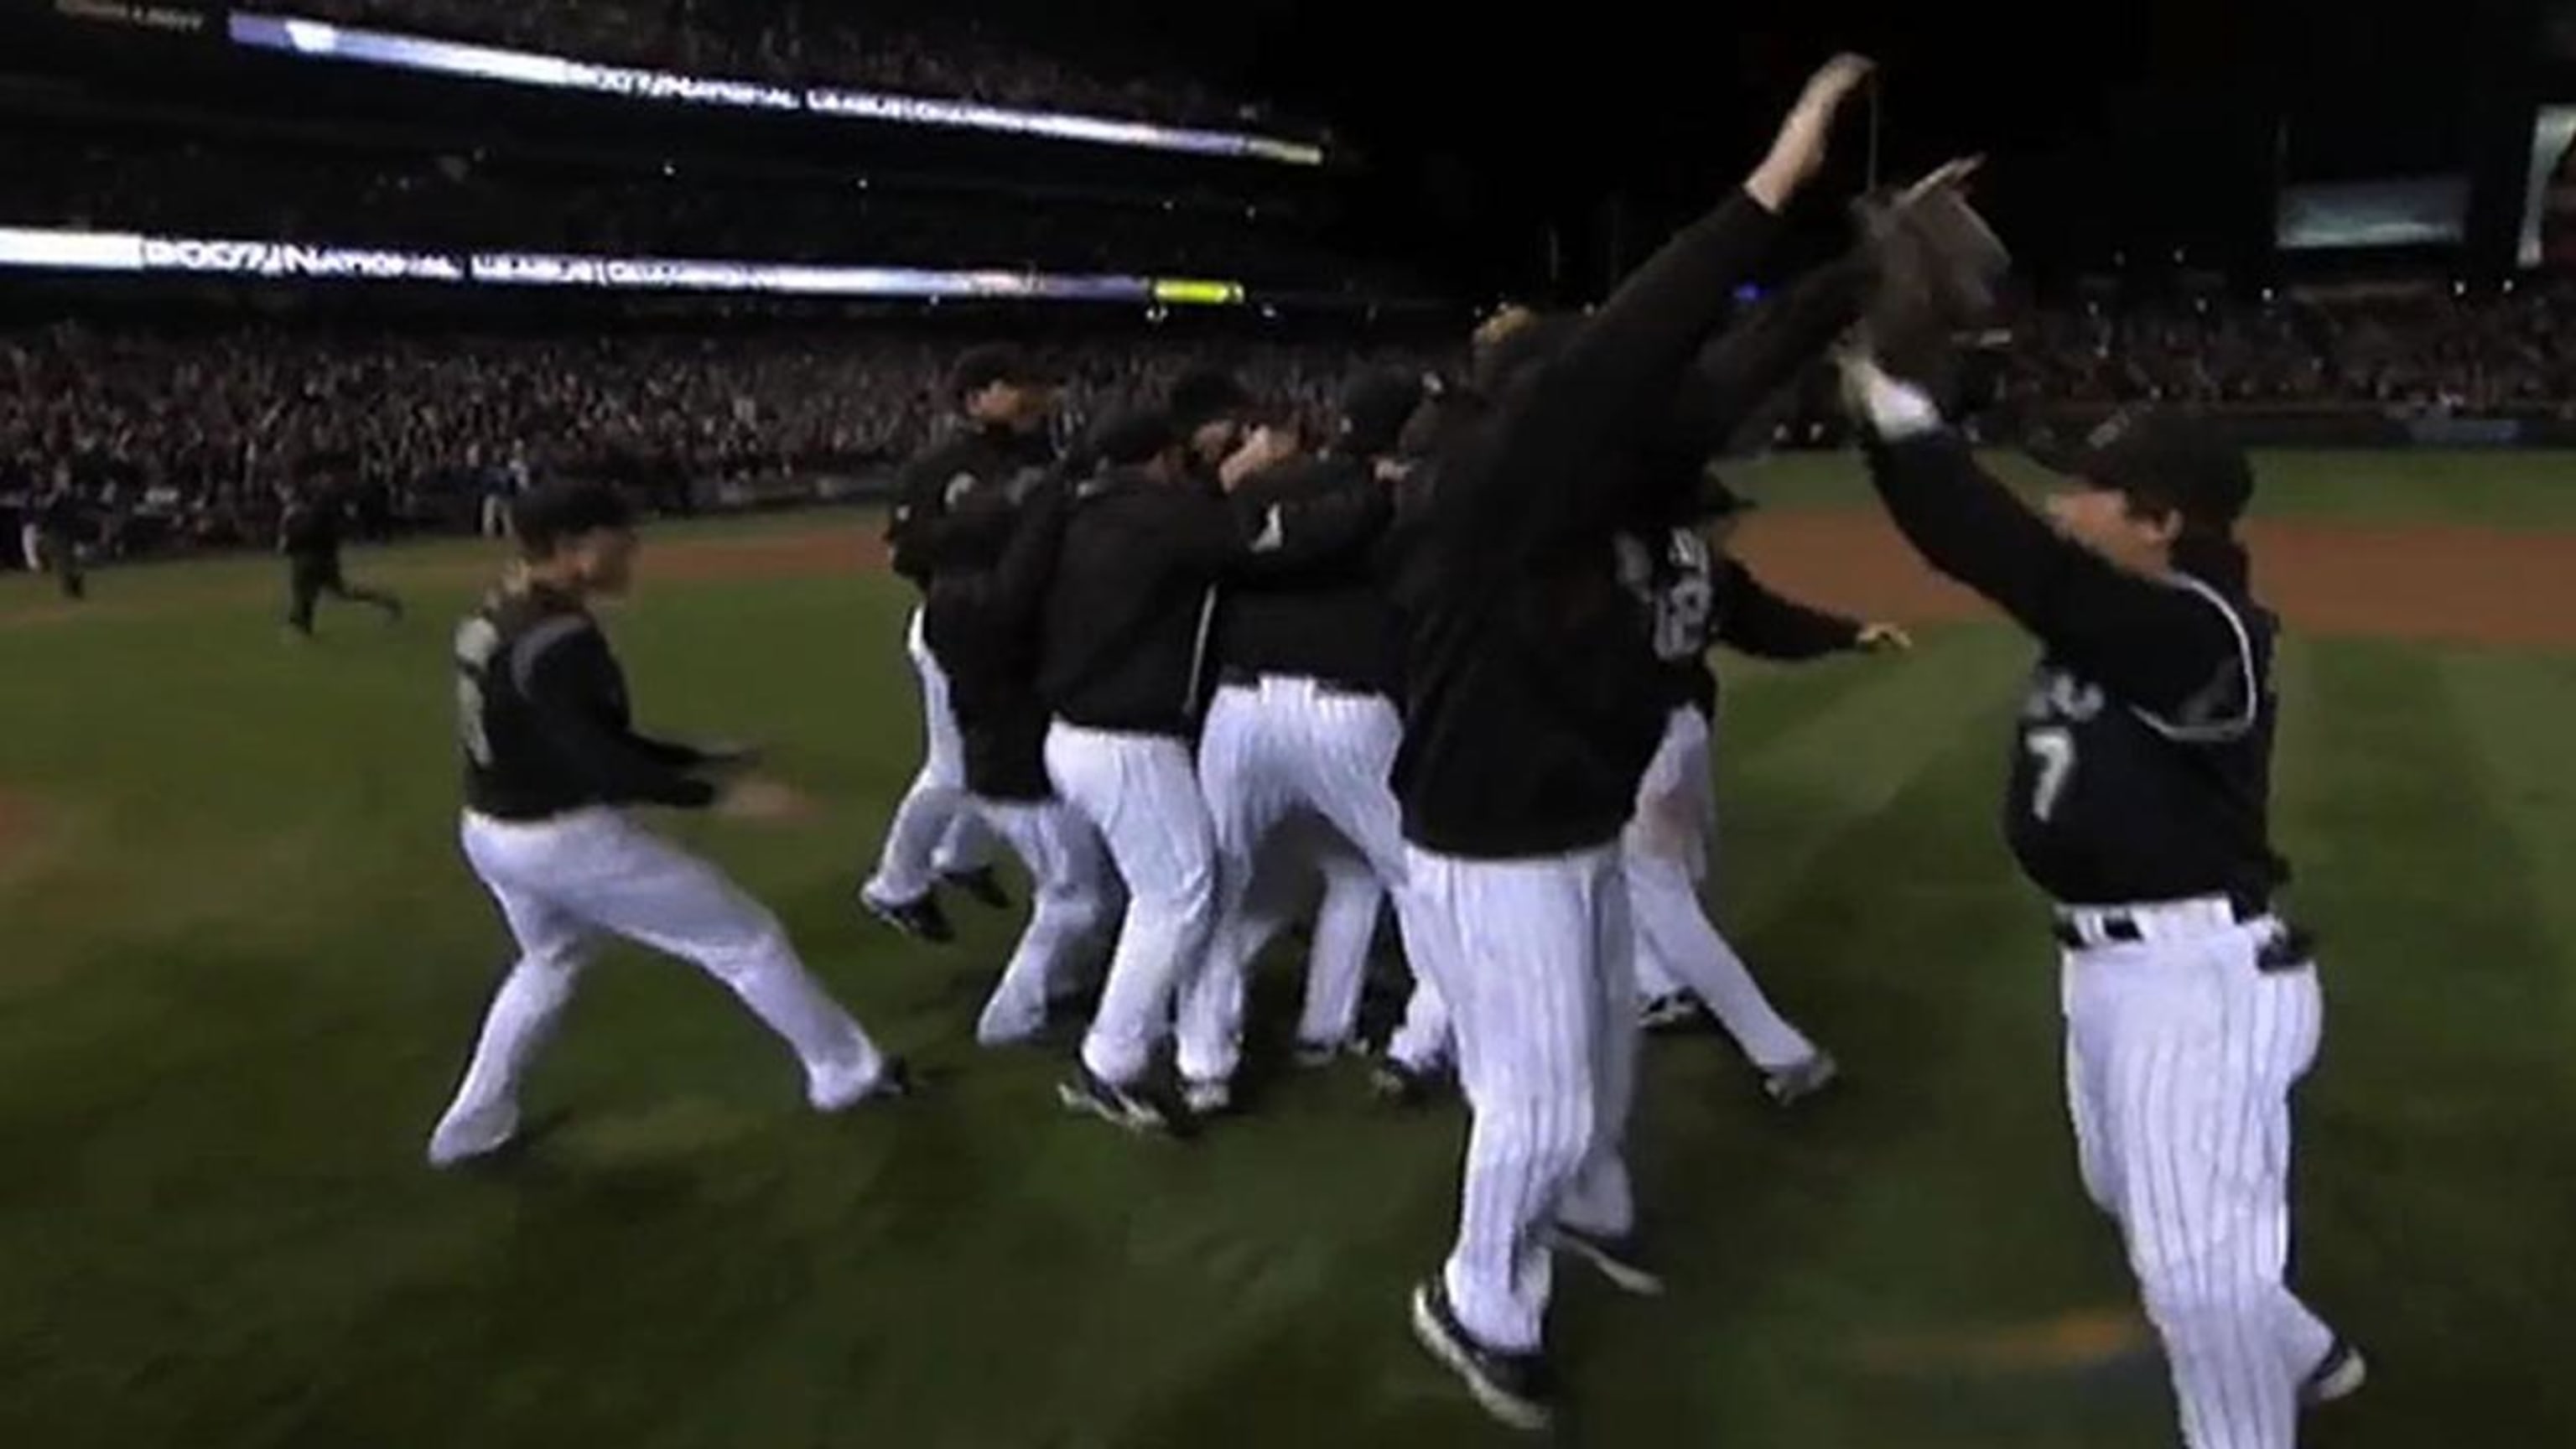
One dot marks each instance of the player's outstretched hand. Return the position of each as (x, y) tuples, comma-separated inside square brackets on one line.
[(762, 800), (1885, 639), (1267, 448), (1798, 153), (728, 756)]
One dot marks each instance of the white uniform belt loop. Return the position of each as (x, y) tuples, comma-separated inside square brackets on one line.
[(2092, 928)]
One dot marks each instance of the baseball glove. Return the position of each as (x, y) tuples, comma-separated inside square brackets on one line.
[(1940, 277)]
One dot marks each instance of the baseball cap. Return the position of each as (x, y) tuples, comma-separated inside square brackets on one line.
[(547, 515), (1374, 409), (996, 362), (2166, 460), (1204, 396), (1134, 436)]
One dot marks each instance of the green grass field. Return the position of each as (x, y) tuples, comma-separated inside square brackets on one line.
[(241, 963)]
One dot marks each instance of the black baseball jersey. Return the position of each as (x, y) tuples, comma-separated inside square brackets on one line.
[(2113, 802), (1534, 698), (1699, 598), (931, 531), (543, 716), (983, 623), (1130, 605), (1331, 622), (2142, 756)]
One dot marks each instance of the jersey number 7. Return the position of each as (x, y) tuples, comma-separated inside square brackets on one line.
[(2053, 750)]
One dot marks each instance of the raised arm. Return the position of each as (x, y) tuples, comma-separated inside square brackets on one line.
[(2160, 646), (1614, 375), (1741, 369)]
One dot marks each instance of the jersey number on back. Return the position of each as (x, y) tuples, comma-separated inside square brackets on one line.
[(475, 641), (2053, 751)]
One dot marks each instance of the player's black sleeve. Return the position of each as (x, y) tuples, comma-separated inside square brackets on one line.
[(924, 535), (2156, 645), (573, 689), (1736, 371), (1544, 472), (1754, 620), (1332, 514), (1267, 535)]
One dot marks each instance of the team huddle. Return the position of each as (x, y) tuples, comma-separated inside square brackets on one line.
[(1454, 664)]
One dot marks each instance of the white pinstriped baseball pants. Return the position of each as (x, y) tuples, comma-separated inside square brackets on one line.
[(2180, 1057), (1142, 796), (1670, 842), (1281, 750), (934, 832), (1069, 890), (1535, 963), (1666, 852)]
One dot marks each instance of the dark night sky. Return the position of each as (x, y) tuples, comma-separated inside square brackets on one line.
[(2113, 125)]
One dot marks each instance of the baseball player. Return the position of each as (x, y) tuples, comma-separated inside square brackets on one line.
[(1534, 702), (1696, 594), (1005, 401), (51, 535), (1124, 636), (1703, 596), (308, 534), (1303, 729), (552, 767), (2139, 802), (982, 618)]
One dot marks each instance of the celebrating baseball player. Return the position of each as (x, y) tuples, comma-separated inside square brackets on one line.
[(1005, 400), (982, 618), (552, 766), (2139, 802), (1303, 729), (1534, 702), (1703, 596), (1124, 639)]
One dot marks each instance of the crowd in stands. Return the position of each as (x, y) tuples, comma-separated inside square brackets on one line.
[(927, 51), (463, 202), (192, 432), (2432, 348)]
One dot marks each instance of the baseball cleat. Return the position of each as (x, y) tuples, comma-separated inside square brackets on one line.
[(1207, 1099), (1672, 1011), (1130, 1107), (2339, 1375), (1618, 1258), (891, 1081), (1798, 1081), (980, 883), (1513, 1387), (920, 918), (1400, 1084)]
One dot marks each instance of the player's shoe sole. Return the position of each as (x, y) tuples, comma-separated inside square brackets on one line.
[(921, 919), (1796, 1083), (2339, 1375), (1670, 1012), (1397, 1084), (892, 1082), (1126, 1108), (1616, 1259), (1510, 1387)]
